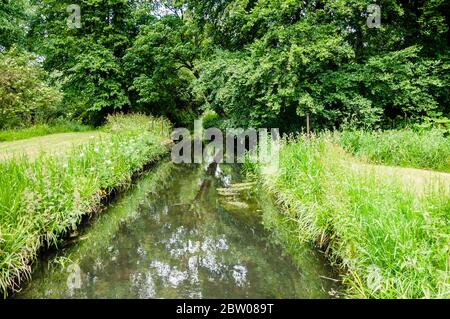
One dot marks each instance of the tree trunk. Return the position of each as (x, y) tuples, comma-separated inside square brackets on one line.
[(308, 127)]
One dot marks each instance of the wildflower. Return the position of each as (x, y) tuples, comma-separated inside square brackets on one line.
[(30, 200), (30, 175), (76, 197), (96, 150)]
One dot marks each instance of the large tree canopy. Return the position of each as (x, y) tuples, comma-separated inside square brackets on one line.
[(254, 62), (89, 58), (14, 22), (280, 59), (161, 66)]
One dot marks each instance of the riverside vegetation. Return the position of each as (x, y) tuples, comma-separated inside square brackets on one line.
[(44, 199), (389, 238), (427, 149), (373, 192), (42, 130)]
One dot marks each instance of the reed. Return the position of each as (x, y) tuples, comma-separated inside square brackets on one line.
[(44, 199), (388, 240)]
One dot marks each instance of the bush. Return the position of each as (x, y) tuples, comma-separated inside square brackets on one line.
[(211, 120), (25, 97)]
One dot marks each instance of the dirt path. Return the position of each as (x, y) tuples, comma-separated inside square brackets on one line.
[(53, 144)]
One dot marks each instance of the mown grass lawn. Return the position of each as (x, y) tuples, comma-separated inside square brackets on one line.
[(54, 144)]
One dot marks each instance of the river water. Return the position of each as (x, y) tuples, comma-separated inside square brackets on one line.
[(181, 232)]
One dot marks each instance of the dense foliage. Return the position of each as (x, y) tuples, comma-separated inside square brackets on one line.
[(25, 97), (14, 21), (259, 63), (284, 59)]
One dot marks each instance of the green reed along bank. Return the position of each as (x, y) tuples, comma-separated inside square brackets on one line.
[(44, 199), (388, 239)]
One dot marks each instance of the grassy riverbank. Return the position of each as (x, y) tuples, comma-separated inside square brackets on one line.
[(407, 148), (389, 238), (42, 130), (44, 199), (53, 144)]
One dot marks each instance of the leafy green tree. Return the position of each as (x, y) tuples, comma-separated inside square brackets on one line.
[(25, 96), (14, 22), (88, 60), (280, 60), (161, 64), (254, 62)]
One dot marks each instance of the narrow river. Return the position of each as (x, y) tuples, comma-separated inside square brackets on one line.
[(180, 232)]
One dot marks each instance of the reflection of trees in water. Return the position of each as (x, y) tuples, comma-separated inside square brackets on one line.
[(207, 250), (176, 244)]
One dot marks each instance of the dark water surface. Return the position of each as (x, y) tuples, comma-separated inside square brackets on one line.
[(181, 232)]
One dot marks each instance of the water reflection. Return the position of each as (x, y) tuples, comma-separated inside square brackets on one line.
[(182, 242)]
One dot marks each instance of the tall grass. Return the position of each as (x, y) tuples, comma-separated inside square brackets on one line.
[(41, 130), (389, 241), (42, 200), (424, 149)]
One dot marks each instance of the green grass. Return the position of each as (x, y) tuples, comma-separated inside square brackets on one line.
[(389, 241), (54, 144), (41, 130), (43, 199), (426, 149)]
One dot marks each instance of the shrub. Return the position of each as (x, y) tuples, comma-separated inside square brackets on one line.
[(211, 119), (25, 97)]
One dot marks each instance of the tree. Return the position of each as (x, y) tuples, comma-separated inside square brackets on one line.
[(25, 97), (14, 18), (88, 59), (161, 66), (279, 60), (254, 62)]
